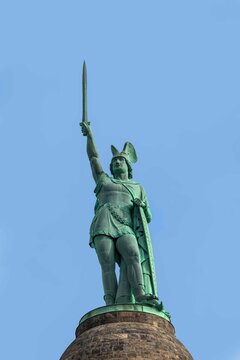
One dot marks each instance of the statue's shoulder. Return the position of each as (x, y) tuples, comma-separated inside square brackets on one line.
[(139, 187), (124, 182), (134, 183), (134, 186)]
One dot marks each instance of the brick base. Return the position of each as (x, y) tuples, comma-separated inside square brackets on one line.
[(126, 335)]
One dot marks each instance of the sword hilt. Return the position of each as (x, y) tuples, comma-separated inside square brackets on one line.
[(84, 122), (81, 125)]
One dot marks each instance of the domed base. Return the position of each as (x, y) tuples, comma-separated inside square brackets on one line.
[(125, 335)]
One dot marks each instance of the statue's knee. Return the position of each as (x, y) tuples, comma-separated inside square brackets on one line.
[(133, 258), (106, 261), (108, 268)]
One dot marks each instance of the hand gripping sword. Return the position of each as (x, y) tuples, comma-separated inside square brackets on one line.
[(84, 96)]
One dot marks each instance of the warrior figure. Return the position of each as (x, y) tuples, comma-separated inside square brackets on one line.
[(117, 232)]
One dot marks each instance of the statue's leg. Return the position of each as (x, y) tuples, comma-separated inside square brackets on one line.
[(105, 249), (127, 246), (124, 294)]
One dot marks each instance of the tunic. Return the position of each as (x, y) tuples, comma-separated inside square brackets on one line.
[(114, 207), (116, 215)]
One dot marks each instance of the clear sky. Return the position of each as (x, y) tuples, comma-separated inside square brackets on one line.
[(164, 75)]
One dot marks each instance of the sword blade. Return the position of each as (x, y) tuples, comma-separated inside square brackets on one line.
[(84, 94)]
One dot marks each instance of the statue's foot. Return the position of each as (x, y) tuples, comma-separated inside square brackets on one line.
[(144, 297), (156, 304), (149, 299), (140, 295), (109, 300)]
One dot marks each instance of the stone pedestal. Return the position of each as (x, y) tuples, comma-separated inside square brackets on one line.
[(125, 335)]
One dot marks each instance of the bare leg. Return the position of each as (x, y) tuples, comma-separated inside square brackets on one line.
[(127, 246), (124, 294), (105, 249)]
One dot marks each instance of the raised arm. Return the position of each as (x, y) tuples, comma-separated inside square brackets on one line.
[(92, 151)]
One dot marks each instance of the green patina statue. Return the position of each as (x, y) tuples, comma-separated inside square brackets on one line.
[(119, 230)]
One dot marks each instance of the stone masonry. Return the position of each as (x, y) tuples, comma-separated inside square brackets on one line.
[(126, 335)]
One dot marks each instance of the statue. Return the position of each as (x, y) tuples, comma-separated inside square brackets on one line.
[(119, 230)]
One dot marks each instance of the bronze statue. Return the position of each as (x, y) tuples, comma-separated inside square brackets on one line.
[(119, 231)]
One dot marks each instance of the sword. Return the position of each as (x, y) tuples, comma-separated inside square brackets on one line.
[(84, 96)]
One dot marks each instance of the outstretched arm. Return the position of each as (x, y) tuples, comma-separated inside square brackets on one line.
[(92, 151)]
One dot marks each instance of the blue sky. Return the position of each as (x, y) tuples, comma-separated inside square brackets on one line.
[(164, 75)]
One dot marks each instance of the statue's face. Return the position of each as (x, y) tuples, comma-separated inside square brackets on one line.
[(119, 165)]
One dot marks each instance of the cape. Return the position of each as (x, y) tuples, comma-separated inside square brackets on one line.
[(140, 228), (145, 249)]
